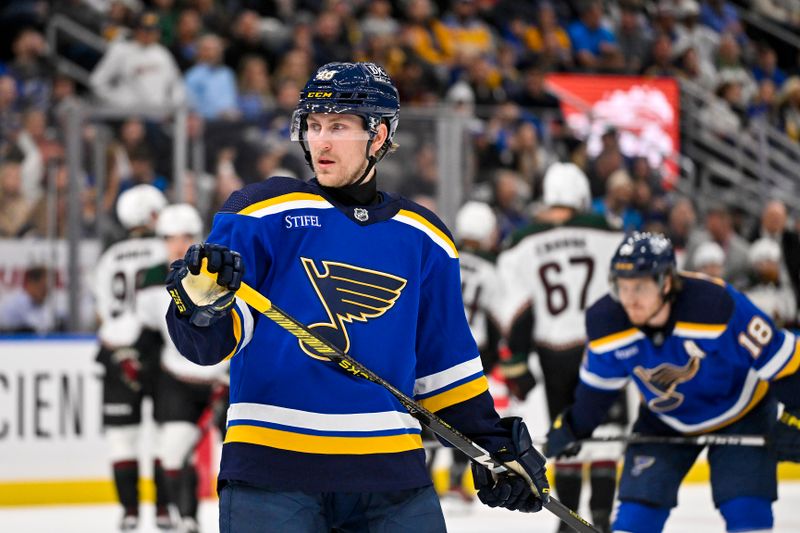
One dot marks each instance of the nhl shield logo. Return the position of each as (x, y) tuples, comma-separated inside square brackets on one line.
[(361, 214)]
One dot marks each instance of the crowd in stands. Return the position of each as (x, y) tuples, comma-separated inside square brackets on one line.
[(239, 66)]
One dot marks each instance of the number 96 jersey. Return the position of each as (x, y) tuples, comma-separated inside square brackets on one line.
[(559, 271), (116, 280)]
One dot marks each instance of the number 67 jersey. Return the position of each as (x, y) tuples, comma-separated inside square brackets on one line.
[(556, 271)]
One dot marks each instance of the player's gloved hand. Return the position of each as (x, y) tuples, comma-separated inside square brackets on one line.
[(517, 375), (561, 440), (199, 297), (127, 361), (510, 490), (785, 436)]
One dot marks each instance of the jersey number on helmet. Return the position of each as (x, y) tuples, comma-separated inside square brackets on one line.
[(556, 294)]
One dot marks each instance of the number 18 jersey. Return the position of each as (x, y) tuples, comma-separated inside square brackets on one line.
[(559, 271)]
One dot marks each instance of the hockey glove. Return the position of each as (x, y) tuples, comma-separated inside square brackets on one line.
[(510, 490), (127, 361), (515, 372), (785, 436), (198, 297), (561, 440)]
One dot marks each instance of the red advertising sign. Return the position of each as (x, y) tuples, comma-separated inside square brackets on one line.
[(645, 111)]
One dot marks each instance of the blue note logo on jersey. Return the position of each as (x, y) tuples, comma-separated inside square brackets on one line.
[(349, 293), (665, 378)]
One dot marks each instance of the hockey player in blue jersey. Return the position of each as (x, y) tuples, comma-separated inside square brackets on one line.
[(309, 448), (704, 359)]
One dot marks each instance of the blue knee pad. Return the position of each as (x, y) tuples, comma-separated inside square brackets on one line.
[(747, 513), (634, 517)]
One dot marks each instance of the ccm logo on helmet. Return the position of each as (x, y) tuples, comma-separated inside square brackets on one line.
[(319, 94)]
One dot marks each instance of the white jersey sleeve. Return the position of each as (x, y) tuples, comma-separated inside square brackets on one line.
[(480, 289), (116, 279)]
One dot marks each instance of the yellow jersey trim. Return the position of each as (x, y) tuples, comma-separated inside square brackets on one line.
[(237, 334), (792, 365), (298, 442), (282, 199), (424, 221), (459, 394), (598, 344), (758, 395)]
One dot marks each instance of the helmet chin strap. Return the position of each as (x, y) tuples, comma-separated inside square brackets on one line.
[(371, 161)]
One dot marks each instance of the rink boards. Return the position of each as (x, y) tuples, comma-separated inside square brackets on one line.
[(51, 439)]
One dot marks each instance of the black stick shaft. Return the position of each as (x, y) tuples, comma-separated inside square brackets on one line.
[(347, 364)]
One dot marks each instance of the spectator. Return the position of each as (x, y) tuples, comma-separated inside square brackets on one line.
[(14, 207), (10, 119), (786, 12), (210, 85), (719, 228), (187, 31), (766, 66), (534, 96), (511, 196), (709, 259), (632, 38), (255, 89), (139, 73), (660, 63), (247, 40), (680, 225), (378, 20), (330, 39), (48, 217), (725, 116), (548, 41), (764, 104), (767, 289), (295, 66), (692, 68), (617, 204), (690, 33), (142, 171), (607, 161), (594, 46), (722, 17), (469, 35), (425, 35), (789, 107), (30, 69), (774, 226), (730, 67), (167, 20), (27, 309)]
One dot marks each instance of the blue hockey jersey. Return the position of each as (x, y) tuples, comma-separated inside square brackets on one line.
[(382, 283), (707, 368)]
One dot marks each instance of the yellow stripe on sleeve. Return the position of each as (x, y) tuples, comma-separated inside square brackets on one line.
[(299, 442), (614, 337), (237, 334), (792, 366), (456, 395)]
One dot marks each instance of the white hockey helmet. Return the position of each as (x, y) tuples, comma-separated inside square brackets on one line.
[(764, 249), (476, 221), (566, 185), (179, 219), (139, 205), (707, 254)]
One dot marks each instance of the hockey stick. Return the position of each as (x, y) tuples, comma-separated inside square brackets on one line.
[(346, 363), (711, 439)]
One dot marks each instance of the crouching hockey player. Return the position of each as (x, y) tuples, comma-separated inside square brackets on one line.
[(704, 359), (309, 448)]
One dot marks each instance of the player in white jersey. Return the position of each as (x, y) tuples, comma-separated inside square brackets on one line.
[(185, 391), (129, 359), (551, 271)]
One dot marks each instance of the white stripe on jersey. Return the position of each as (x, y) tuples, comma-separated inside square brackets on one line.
[(599, 382), (439, 380), (780, 358), (285, 416)]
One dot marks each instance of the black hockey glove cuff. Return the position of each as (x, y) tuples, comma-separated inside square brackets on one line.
[(202, 299), (526, 491), (785, 436), (561, 440)]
